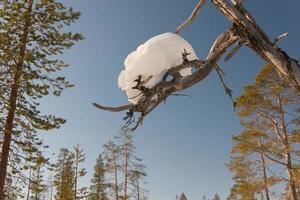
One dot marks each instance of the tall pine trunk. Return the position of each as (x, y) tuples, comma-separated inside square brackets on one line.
[(76, 178), (29, 185), (138, 189), (116, 188), (262, 157), (126, 167), (13, 101), (287, 154)]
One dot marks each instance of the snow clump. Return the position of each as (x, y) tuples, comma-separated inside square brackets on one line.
[(153, 59)]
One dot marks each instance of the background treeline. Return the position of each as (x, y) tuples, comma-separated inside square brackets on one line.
[(183, 197), (118, 174)]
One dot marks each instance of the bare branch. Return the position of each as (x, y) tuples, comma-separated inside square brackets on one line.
[(234, 50), (275, 160), (113, 109), (191, 18), (281, 37)]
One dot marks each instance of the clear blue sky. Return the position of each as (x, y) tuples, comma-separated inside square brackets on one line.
[(186, 142)]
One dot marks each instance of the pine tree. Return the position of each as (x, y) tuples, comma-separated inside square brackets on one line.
[(216, 197), (31, 36), (37, 185), (98, 183), (136, 176), (245, 178), (64, 176), (253, 144), (79, 158), (127, 149), (272, 108), (111, 156), (182, 197)]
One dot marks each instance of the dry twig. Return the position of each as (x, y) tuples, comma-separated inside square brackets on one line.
[(191, 18)]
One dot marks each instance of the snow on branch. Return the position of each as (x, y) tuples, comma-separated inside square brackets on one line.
[(173, 82), (151, 84)]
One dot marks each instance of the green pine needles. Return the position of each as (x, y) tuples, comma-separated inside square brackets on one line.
[(32, 35)]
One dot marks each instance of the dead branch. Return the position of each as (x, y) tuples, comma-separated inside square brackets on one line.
[(259, 42), (113, 109), (152, 97), (244, 31), (191, 18)]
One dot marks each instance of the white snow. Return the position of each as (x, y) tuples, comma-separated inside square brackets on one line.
[(153, 58)]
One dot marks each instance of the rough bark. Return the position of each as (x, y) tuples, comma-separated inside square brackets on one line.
[(8, 128), (287, 154), (259, 42)]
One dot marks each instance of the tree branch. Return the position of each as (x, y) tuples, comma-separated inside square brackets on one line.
[(191, 18), (260, 43), (152, 97)]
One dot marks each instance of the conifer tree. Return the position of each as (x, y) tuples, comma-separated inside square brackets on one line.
[(127, 150), (37, 185), (252, 144), (111, 156), (31, 36), (136, 176), (217, 197), (245, 178), (270, 103), (182, 197), (79, 158), (98, 183), (64, 175)]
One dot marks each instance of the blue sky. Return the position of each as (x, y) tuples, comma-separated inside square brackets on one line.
[(185, 143)]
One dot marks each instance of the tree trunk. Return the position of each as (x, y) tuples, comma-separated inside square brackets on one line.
[(126, 167), (287, 154), (29, 185), (98, 187), (265, 177), (62, 188), (260, 43), (262, 157), (51, 190), (38, 182), (138, 189), (76, 176), (116, 188), (13, 101)]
